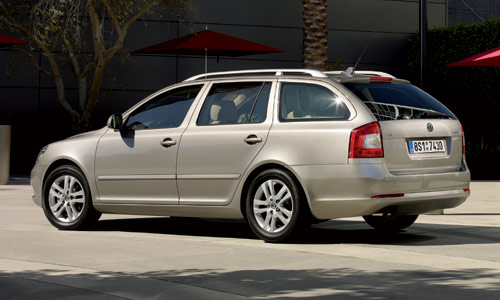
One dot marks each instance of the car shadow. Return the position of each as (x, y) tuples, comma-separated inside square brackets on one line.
[(330, 232), (180, 226)]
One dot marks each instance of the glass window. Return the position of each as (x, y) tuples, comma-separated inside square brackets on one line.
[(392, 101), (310, 102), (259, 112), (166, 110), (235, 103)]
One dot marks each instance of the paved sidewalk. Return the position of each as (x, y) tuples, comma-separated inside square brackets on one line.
[(454, 255)]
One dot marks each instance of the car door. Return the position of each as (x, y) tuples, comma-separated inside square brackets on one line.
[(137, 164), (231, 127)]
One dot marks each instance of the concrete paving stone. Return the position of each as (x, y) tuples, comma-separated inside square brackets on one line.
[(14, 288), (453, 255)]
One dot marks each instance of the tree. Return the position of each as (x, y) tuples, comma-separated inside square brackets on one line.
[(84, 34), (315, 20)]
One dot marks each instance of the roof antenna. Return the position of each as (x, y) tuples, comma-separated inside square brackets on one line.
[(350, 71)]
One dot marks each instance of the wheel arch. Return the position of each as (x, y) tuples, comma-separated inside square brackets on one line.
[(61, 162), (88, 215), (259, 169)]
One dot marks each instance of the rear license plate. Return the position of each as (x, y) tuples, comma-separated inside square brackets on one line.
[(427, 146)]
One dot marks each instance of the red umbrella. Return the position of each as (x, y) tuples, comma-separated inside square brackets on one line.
[(490, 58), (206, 43), (6, 40)]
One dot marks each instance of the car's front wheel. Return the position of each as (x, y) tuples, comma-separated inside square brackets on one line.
[(67, 201), (390, 223), (275, 209)]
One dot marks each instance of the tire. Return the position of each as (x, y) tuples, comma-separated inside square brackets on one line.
[(275, 208), (67, 201), (390, 223)]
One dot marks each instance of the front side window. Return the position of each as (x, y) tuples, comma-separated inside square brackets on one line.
[(235, 103), (166, 110), (310, 102)]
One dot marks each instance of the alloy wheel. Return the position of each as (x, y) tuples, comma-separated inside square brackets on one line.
[(273, 206), (66, 198)]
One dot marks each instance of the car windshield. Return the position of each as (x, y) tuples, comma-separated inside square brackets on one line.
[(393, 101)]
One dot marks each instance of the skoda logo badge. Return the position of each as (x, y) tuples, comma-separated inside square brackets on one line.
[(430, 128)]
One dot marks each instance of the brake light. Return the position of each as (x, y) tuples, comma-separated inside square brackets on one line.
[(366, 142), (463, 139), (467, 190), (381, 79)]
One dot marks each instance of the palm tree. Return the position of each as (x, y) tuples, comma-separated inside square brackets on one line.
[(315, 34)]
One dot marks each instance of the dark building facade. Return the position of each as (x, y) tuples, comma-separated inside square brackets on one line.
[(28, 97), (472, 11)]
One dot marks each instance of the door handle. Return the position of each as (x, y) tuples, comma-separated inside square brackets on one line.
[(252, 139), (168, 142)]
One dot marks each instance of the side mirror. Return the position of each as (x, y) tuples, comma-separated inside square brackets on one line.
[(115, 121)]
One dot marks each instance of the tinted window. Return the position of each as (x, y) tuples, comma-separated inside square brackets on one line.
[(166, 110), (391, 101), (310, 102), (235, 103), (259, 112)]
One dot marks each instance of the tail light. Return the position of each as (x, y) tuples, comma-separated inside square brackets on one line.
[(366, 141), (463, 139)]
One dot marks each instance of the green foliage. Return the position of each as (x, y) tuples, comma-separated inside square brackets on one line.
[(472, 93)]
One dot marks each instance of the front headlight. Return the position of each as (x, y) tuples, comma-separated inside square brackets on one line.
[(42, 151)]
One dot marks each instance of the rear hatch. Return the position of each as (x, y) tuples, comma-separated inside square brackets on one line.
[(419, 134)]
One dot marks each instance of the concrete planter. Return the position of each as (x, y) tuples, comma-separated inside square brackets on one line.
[(4, 153)]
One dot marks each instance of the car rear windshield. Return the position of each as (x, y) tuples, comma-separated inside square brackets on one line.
[(394, 101)]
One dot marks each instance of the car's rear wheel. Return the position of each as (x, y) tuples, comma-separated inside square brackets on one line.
[(275, 209), (390, 223), (67, 201)]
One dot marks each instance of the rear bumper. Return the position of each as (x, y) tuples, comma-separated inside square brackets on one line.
[(336, 191)]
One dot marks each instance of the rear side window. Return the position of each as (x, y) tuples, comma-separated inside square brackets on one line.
[(393, 101), (310, 102), (235, 103)]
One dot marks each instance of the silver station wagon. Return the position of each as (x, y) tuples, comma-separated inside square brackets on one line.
[(279, 148)]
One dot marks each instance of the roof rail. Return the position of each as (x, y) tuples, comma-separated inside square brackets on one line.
[(367, 73), (275, 72)]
